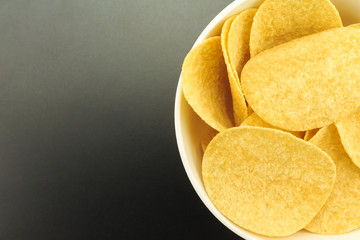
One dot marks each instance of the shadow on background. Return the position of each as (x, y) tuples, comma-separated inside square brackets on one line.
[(87, 144)]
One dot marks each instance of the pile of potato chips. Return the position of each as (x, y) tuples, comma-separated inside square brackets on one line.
[(281, 89)]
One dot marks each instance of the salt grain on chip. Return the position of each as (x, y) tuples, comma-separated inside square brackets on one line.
[(341, 212), (266, 180)]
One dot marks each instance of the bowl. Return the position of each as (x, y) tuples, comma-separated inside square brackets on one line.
[(190, 128)]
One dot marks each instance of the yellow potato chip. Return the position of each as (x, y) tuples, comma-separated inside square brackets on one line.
[(238, 44), (341, 212), (279, 21), (206, 86), (255, 121), (349, 131), (239, 103), (266, 180), (355, 25), (238, 40), (211, 133), (309, 134), (306, 83)]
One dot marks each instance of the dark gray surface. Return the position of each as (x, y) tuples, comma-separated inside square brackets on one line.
[(87, 144)]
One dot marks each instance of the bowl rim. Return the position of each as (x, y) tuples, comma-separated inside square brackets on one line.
[(350, 9), (179, 137)]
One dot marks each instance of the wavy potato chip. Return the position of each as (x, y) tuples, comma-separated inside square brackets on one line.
[(279, 21), (207, 138), (239, 103), (206, 86), (306, 83), (341, 212), (266, 180), (309, 134), (349, 131), (255, 121)]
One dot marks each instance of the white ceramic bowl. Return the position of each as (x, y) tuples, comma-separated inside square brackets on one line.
[(190, 128)]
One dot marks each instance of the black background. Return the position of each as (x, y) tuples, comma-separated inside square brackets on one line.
[(87, 140)]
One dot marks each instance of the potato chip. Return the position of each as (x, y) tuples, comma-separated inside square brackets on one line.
[(239, 103), (238, 40), (211, 133), (341, 212), (306, 83), (255, 121), (309, 134), (356, 25), (206, 86), (279, 21), (238, 43), (349, 131), (266, 180)]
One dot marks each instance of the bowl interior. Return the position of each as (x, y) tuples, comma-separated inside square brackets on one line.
[(190, 128)]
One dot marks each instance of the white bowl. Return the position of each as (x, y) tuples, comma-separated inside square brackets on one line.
[(190, 128)]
